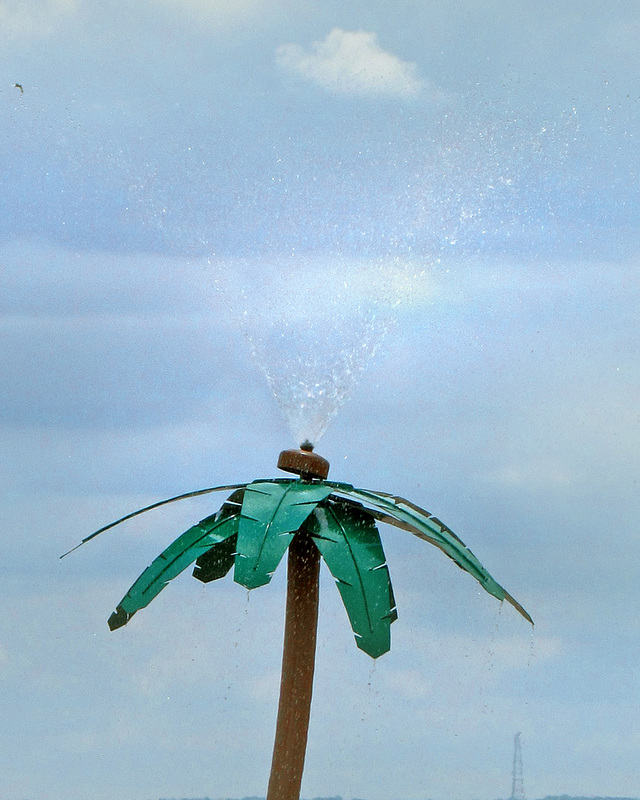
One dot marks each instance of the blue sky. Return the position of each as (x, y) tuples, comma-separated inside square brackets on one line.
[(423, 216)]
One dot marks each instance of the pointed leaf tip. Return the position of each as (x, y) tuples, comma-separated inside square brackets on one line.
[(119, 618), (517, 607)]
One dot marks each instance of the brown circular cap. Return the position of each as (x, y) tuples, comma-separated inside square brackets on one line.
[(304, 463)]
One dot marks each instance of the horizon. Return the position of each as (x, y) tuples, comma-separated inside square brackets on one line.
[(340, 797)]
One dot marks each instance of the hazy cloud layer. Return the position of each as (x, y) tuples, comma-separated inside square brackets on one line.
[(351, 62), (501, 231), (35, 20), (221, 16), (125, 380)]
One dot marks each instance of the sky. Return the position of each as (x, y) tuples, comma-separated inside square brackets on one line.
[(409, 231)]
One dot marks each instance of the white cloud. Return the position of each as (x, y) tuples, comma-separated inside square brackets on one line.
[(351, 62)]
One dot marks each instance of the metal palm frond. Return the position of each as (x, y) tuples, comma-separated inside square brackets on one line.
[(254, 527), (404, 514), (209, 536), (347, 538), (196, 493), (271, 514)]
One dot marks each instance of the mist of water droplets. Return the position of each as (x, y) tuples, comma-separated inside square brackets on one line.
[(313, 329), (474, 185)]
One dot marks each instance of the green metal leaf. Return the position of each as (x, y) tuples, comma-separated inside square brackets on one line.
[(216, 562), (197, 493), (347, 537), (272, 511), (405, 514), (177, 557)]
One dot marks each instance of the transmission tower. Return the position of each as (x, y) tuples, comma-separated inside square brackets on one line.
[(517, 783)]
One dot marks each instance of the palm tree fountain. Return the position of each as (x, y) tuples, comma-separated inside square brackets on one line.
[(313, 518)]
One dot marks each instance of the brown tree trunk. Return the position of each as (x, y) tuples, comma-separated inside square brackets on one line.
[(298, 661)]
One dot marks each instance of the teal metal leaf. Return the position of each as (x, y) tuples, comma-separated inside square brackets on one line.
[(405, 514), (216, 562), (177, 557), (272, 511), (197, 493), (347, 538)]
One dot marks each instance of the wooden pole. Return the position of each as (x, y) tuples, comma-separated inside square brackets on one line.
[(298, 661)]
